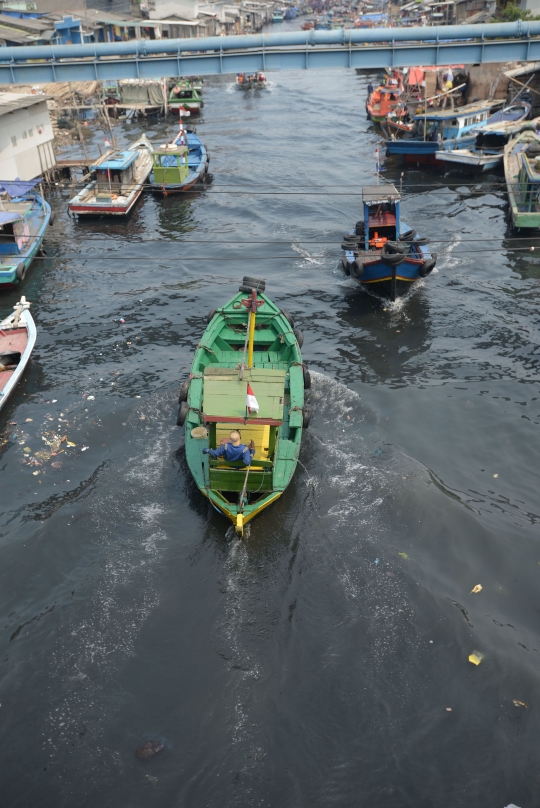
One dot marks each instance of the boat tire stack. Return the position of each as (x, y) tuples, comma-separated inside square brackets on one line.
[(248, 284)]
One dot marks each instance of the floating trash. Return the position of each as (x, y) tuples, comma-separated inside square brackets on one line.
[(149, 749), (476, 658), (476, 589), (519, 703)]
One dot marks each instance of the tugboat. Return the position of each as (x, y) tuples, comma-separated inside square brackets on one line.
[(24, 217), (119, 181), (522, 173), (184, 96), (247, 375), (383, 253), (180, 165), (250, 81)]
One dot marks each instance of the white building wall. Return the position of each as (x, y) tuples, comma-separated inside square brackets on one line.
[(26, 138), (164, 9)]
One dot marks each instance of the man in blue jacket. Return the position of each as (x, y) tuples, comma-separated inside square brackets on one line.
[(234, 450)]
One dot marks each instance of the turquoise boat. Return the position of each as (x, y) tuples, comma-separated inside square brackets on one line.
[(522, 173), (24, 217)]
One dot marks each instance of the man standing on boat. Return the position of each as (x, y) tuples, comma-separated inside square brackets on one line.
[(234, 450), (369, 90)]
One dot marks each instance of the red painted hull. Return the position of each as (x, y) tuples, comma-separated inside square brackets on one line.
[(110, 210), (15, 340), (422, 159)]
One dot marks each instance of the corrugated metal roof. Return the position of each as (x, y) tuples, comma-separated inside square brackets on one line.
[(10, 102)]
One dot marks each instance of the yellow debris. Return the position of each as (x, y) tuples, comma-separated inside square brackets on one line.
[(476, 658), (476, 589)]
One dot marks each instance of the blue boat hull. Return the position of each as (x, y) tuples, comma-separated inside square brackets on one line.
[(14, 264), (423, 151), (198, 161)]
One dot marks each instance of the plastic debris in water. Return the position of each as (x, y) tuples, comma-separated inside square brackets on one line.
[(404, 555), (377, 560), (476, 589), (448, 709), (476, 658), (84, 448), (122, 320), (519, 703), (28, 420), (27, 450), (149, 749), (91, 398), (152, 779)]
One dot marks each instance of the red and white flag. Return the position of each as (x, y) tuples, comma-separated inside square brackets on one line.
[(251, 402)]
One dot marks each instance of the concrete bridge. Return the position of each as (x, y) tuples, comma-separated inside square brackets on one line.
[(297, 50)]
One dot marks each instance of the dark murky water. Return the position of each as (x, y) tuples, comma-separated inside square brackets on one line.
[(317, 663)]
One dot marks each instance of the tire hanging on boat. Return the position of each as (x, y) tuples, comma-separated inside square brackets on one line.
[(210, 316), (356, 270), (346, 266), (254, 283), (408, 235), (390, 256), (307, 378), (306, 416), (288, 316), (183, 394), (182, 413), (20, 272), (428, 266), (299, 336)]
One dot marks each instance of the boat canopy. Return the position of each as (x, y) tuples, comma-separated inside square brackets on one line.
[(458, 112), (224, 395), (116, 161), (377, 194), (18, 187), (8, 216)]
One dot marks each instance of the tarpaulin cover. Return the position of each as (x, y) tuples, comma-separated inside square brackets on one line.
[(18, 187), (416, 75), (142, 94), (7, 216)]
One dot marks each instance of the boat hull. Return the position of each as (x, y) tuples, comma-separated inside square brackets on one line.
[(21, 340), (424, 151), (101, 209), (467, 160), (11, 271)]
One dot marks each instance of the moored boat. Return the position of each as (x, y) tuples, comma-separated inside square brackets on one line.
[(250, 81), (522, 174), (383, 253), (488, 150), (387, 100), (24, 217), (247, 375), (277, 15), (17, 339), (440, 129), (180, 165), (120, 176), (184, 96)]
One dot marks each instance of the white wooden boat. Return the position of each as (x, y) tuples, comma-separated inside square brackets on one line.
[(120, 178), (17, 340)]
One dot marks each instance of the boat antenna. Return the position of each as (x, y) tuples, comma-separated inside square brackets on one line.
[(377, 163)]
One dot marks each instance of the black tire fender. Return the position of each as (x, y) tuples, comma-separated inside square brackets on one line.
[(307, 378), (299, 336), (408, 235), (20, 271), (427, 267), (346, 266), (356, 270), (210, 316), (51, 217), (184, 390), (288, 316), (182, 413), (360, 228), (258, 283), (391, 259), (306, 416)]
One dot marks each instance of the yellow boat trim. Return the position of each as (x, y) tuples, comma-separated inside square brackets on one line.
[(249, 517), (389, 278)]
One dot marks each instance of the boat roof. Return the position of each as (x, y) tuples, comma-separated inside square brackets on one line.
[(116, 160), (380, 193), (224, 396), (170, 148), (459, 112), (532, 168)]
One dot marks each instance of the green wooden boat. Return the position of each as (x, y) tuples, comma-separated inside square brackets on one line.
[(522, 173), (184, 96), (248, 342)]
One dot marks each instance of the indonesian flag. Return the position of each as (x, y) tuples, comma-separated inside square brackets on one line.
[(183, 112), (251, 402)]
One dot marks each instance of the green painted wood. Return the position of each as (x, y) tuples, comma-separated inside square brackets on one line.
[(220, 388)]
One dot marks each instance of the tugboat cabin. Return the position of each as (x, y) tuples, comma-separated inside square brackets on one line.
[(381, 215), (448, 124)]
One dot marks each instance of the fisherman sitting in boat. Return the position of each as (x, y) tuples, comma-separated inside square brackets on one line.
[(234, 450)]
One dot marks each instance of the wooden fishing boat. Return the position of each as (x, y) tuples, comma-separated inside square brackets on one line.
[(277, 15), (184, 96), (488, 150), (197, 82), (180, 165), (441, 129), (383, 253), (24, 217), (17, 340), (384, 101), (522, 173), (214, 401), (120, 177), (251, 81)]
